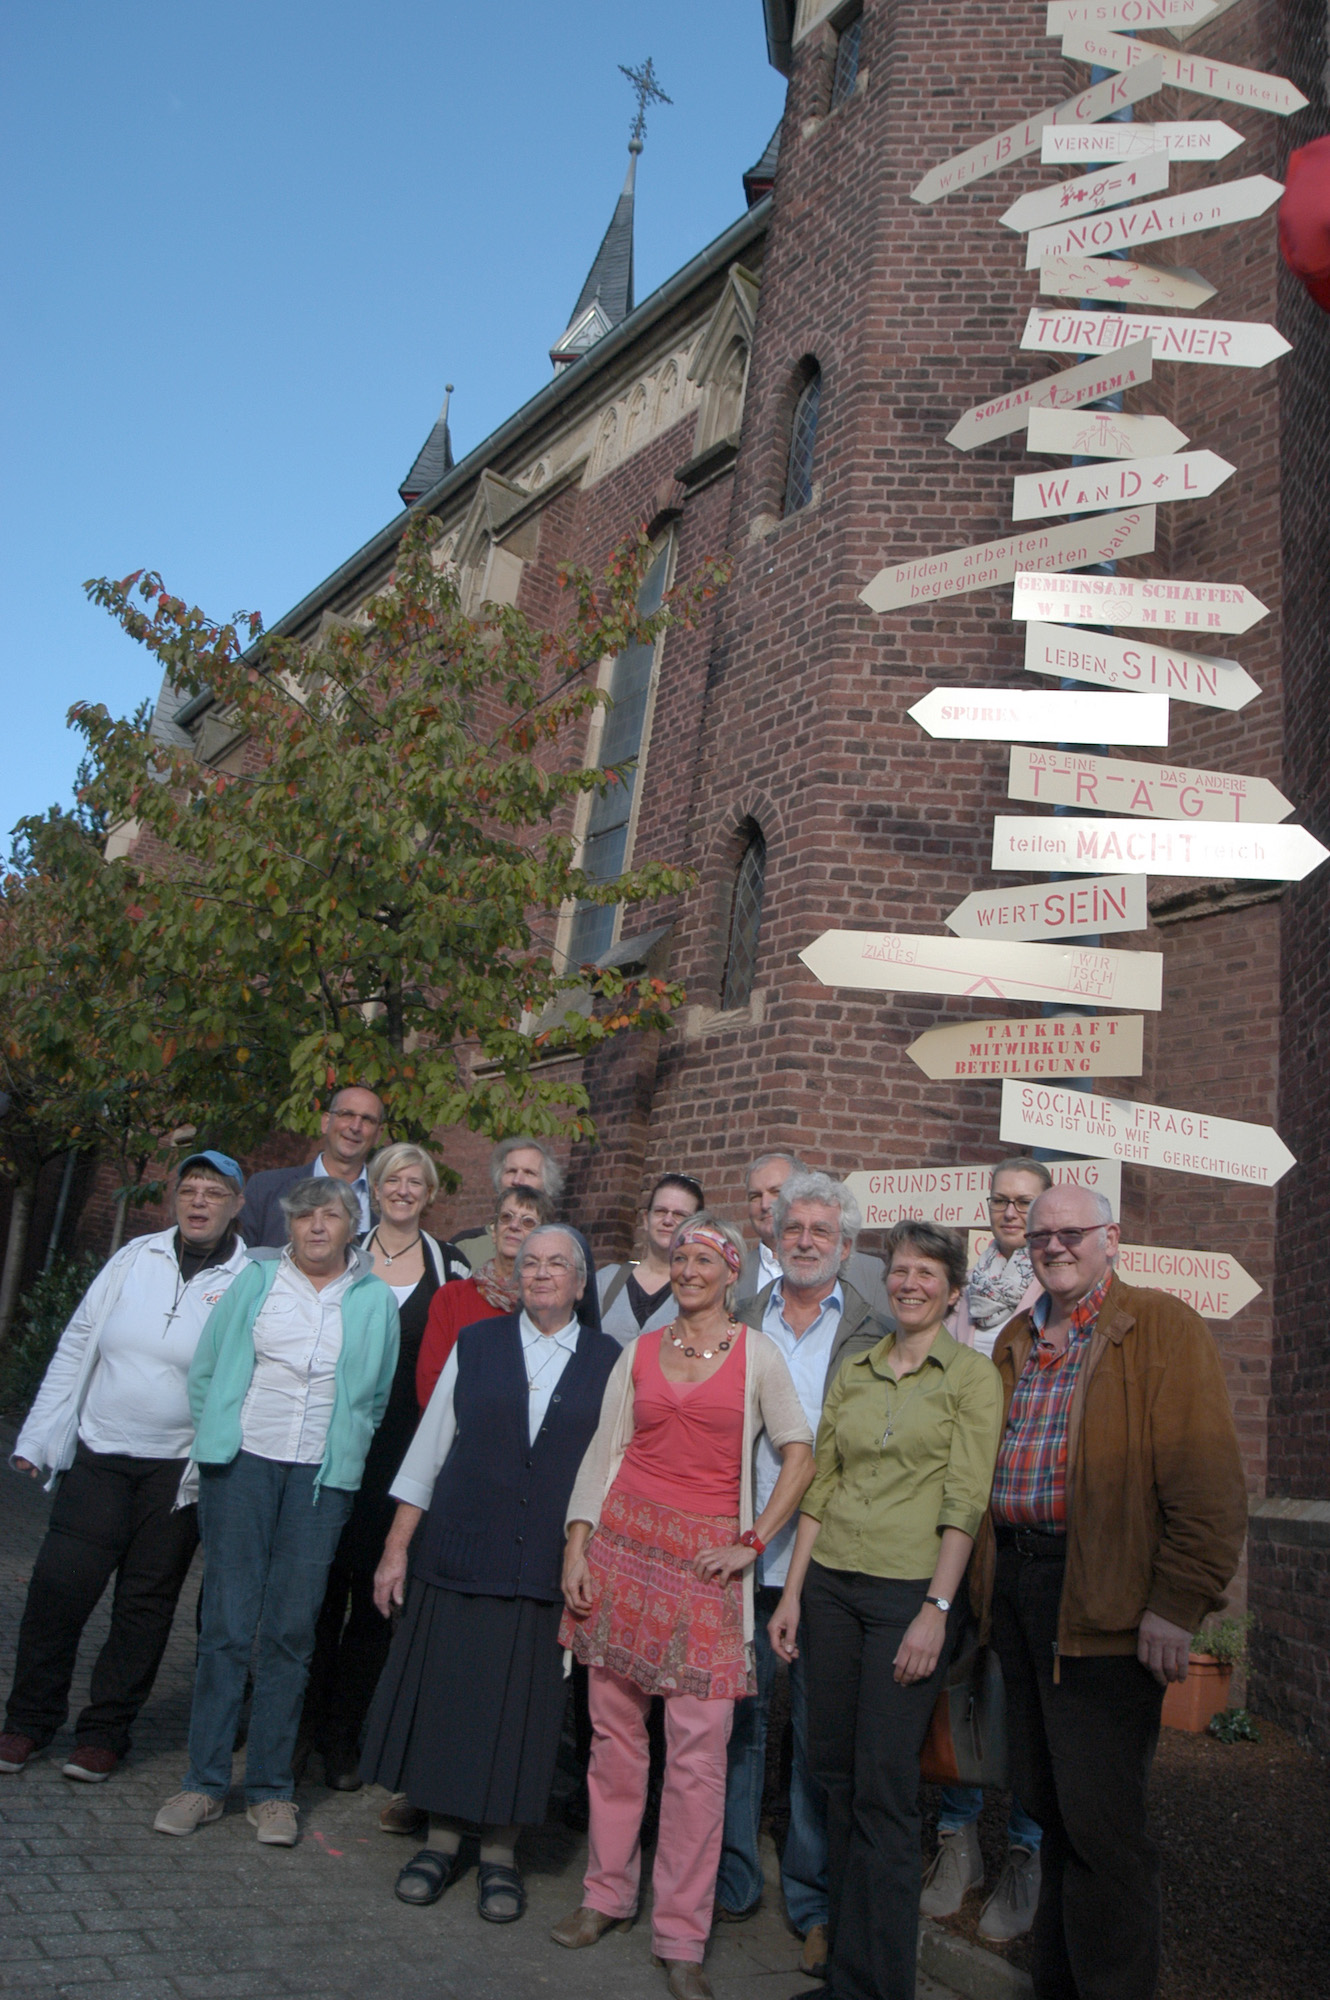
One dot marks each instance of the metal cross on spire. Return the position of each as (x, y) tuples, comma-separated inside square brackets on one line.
[(648, 91)]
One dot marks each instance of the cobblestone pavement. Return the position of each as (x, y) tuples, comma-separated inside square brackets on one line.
[(94, 1903)]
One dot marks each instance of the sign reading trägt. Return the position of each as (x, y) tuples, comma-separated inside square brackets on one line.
[(1154, 791), (1147, 1135)]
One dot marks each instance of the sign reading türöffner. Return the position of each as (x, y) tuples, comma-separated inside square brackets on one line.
[(1155, 791), (1216, 343), (1206, 139), (1182, 475), (1127, 181), (1124, 281), (988, 714), (985, 968), (1147, 1135), (951, 572), (1142, 665), (1211, 1282), (1208, 79), (1156, 847), (1088, 382), (959, 1195), (1182, 603), (1064, 1045), (1108, 903), (1103, 434), (1088, 106)]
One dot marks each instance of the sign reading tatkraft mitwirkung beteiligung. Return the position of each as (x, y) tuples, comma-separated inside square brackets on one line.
[(1149, 1135), (1065, 1045), (1156, 791), (1157, 847)]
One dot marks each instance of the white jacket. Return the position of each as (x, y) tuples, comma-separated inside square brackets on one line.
[(50, 1432)]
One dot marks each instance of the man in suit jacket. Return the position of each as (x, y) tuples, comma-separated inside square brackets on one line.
[(761, 1267), (350, 1128), (818, 1319)]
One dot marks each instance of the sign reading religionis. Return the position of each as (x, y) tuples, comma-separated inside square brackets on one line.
[(959, 1195), (1102, 904), (1063, 1045), (1137, 664), (1155, 791), (1148, 1135), (1211, 1282), (1156, 847), (985, 968)]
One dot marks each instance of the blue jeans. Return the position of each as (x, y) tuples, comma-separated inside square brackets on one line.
[(268, 1543), (803, 1863), (962, 1805)]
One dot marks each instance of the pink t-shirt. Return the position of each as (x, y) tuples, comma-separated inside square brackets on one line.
[(687, 1437)]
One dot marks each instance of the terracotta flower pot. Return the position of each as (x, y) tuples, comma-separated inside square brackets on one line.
[(1189, 1704)]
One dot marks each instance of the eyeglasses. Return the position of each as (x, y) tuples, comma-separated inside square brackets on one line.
[(206, 1191), (821, 1232), (538, 1266), (1070, 1239), (1020, 1202)]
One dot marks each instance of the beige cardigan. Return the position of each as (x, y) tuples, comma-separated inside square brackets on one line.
[(771, 1403)]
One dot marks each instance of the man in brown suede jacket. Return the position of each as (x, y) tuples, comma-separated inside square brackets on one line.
[(1117, 1520)]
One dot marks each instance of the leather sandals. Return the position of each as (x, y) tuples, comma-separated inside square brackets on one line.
[(427, 1875), (498, 1889)]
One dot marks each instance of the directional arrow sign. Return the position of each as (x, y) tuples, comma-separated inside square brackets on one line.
[(1170, 14), (1184, 32), (1067, 1045), (1186, 475), (1222, 343), (1156, 847), (1128, 600), (1103, 434), (1127, 181), (1149, 1135), (1107, 903), (1211, 1282), (1122, 281), (986, 714), (1208, 79), (1089, 382), (1152, 221), (952, 572), (959, 1195), (912, 962), (1137, 666), (1099, 101), (1152, 791), (1067, 145)]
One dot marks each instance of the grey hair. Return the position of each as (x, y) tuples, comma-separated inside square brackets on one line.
[(797, 1166), (320, 1191), (835, 1194), (551, 1173), (1021, 1164), (1102, 1206), (553, 1229)]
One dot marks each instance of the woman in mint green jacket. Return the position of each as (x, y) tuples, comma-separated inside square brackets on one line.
[(289, 1381)]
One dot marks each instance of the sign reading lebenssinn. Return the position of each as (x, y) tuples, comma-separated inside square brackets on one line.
[(1139, 664)]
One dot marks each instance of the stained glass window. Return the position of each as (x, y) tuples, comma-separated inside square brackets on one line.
[(847, 60), (803, 437), (745, 924)]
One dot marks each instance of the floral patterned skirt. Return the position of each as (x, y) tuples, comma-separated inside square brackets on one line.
[(652, 1620)]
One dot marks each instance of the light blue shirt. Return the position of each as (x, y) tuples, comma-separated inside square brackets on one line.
[(359, 1188), (807, 1356), (544, 1356)]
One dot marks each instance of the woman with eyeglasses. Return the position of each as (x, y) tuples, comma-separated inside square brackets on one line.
[(636, 1298), (1002, 1282)]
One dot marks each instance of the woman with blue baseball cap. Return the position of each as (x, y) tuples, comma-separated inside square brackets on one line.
[(111, 1428)]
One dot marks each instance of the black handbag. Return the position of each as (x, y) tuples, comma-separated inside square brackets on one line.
[(966, 1742)]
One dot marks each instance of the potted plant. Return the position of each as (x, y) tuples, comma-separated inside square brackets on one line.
[(1215, 1651)]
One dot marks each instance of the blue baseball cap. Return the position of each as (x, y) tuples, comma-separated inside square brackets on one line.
[(221, 1163)]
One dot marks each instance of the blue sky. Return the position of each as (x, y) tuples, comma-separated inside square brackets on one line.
[(245, 245)]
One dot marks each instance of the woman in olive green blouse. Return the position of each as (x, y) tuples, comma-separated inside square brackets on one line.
[(905, 1455)]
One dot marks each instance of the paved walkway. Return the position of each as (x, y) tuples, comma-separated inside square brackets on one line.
[(94, 1904)]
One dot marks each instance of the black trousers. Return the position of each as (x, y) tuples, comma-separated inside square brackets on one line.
[(113, 1516), (352, 1641), (865, 1734), (1081, 1750)]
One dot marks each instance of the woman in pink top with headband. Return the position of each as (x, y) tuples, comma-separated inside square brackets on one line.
[(658, 1581)]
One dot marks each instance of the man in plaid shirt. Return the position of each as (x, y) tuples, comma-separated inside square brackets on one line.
[(1118, 1513)]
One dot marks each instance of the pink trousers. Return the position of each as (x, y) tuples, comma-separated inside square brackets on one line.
[(692, 1811)]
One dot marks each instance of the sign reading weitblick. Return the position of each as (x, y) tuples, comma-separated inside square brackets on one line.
[(959, 1195)]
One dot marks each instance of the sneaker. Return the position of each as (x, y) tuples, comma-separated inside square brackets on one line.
[(400, 1816), (1009, 1911), (15, 1750), (90, 1764), (813, 1957), (957, 1866), (275, 1821), (186, 1811)]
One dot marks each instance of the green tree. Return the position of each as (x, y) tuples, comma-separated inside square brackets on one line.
[(380, 879)]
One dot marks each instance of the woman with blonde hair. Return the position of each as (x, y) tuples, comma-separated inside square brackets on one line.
[(658, 1581)]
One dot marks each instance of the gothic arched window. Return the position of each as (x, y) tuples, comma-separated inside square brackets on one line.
[(803, 439), (745, 923)]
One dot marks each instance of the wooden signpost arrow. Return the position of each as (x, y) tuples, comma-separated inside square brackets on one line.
[(959, 1195), (1186, 475), (1152, 791), (1065, 1045), (1099, 101), (1088, 382), (1067, 145), (1103, 434), (989, 714), (1126, 181), (1184, 30), (1167, 602), (1156, 847), (913, 962), (1153, 221), (1149, 1135), (1121, 280), (1171, 14), (1255, 87), (1220, 343), (1100, 905), (1211, 1282), (1137, 666), (951, 572)]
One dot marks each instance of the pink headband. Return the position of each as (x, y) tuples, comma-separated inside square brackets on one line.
[(700, 1232)]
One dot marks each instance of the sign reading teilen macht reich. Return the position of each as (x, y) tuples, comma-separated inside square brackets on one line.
[(1156, 847), (1148, 1135), (1063, 1045)]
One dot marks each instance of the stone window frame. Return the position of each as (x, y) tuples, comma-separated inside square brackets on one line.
[(744, 939), (800, 488)]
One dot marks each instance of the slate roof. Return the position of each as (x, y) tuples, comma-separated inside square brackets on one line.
[(761, 178), (609, 282), (434, 458)]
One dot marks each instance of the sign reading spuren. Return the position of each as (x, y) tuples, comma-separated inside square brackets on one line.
[(998, 714), (958, 1196), (1062, 1045), (1147, 1135)]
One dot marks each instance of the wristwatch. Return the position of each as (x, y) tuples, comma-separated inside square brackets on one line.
[(750, 1539), (943, 1603)]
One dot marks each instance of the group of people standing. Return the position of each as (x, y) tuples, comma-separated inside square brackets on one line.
[(430, 1474)]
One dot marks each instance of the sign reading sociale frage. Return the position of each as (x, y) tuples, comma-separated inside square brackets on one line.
[(1147, 1135)]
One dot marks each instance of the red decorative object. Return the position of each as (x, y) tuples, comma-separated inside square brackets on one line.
[(1189, 1704), (1304, 218)]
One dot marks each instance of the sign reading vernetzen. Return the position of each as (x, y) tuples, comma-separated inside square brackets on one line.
[(1148, 1135), (1155, 791), (1156, 847), (1088, 382), (959, 1195), (1137, 664), (1066, 1045), (952, 572)]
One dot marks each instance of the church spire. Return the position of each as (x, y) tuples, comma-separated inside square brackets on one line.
[(434, 458), (607, 296)]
